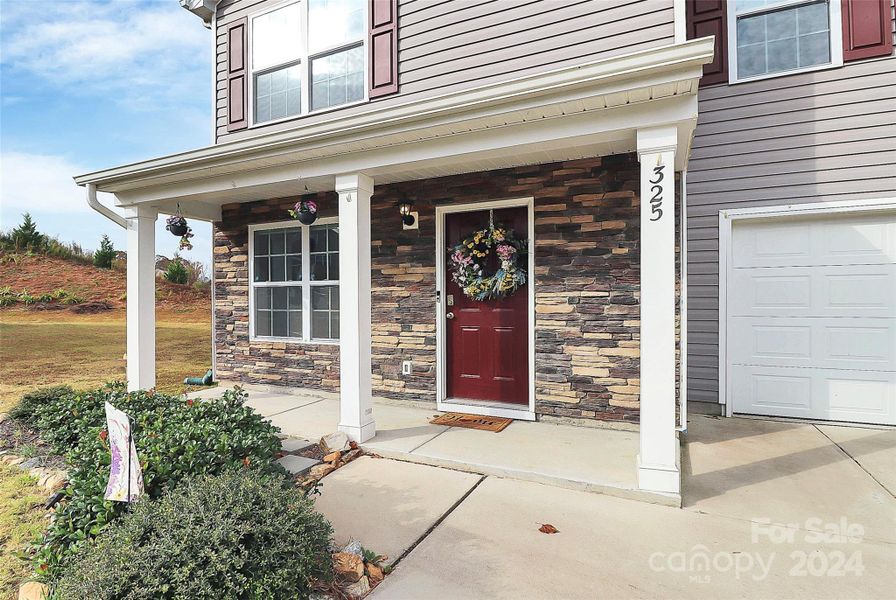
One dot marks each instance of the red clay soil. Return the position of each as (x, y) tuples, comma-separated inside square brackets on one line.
[(44, 274)]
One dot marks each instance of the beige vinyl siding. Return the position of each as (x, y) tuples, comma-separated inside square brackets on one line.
[(448, 45), (813, 137)]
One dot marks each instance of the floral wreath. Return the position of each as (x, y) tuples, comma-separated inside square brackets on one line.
[(467, 264)]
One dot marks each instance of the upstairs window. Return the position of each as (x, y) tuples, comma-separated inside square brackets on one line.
[(776, 37), (308, 56)]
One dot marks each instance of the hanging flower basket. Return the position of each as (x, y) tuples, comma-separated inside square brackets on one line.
[(467, 262), (305, 211), (177, 225)]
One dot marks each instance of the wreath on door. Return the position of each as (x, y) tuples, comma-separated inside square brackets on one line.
[(467, 261)]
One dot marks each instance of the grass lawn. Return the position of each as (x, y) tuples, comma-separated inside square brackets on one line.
[(21, 519), (40, 348)]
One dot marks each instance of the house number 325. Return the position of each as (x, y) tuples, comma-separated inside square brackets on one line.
[(656, 201)]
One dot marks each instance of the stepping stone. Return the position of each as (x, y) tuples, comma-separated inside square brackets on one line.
[(293, 445), (297, 465)]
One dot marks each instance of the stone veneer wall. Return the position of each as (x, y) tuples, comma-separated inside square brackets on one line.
[(587, 280)]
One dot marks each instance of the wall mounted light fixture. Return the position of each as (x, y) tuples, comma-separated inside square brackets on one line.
[(408, 216)]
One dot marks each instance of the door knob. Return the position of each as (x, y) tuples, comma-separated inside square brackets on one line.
[(449, 315)]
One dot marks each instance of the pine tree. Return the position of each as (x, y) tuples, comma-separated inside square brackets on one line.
[(103, 257), (27, 237)]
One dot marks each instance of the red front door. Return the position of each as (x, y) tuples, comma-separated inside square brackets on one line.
[(487, 341)]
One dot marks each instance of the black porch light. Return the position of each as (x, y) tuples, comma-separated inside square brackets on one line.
[(404, 208)]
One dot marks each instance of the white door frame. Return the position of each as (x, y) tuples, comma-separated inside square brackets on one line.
[(444, 403), (771, 213)]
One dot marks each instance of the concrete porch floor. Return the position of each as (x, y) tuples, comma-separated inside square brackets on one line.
[(581, 458)]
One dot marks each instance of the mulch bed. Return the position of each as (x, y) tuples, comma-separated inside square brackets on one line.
[(14, 436)]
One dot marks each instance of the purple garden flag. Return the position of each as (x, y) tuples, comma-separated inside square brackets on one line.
[(125, 477)]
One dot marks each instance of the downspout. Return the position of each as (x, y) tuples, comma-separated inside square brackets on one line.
[(102, 209)]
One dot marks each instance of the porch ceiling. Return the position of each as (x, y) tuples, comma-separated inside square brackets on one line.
[(589, 110)]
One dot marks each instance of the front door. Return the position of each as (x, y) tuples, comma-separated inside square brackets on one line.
[(487, 341)]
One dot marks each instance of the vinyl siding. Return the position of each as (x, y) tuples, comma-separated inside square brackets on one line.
[(452, 45), (814, 137)]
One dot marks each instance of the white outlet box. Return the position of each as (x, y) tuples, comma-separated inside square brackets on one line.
[(406, 367)]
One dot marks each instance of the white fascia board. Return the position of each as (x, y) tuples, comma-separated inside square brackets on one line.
[(204, 9), (577, 130), (657, 66)]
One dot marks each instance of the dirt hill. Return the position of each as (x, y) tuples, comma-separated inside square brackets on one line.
[(44, 274)]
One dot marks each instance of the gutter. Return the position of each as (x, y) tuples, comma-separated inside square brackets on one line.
[(102, 209)]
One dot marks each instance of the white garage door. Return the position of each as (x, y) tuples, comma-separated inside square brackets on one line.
[(811, 318)]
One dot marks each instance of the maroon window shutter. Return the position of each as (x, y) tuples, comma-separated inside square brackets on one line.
[(383, 47), (237, 85), (705, 18), (866, 29)]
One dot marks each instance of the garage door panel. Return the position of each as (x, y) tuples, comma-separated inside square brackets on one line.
[(811, 318), (843, 240), (859, 344), (824, 291), (811, 393)]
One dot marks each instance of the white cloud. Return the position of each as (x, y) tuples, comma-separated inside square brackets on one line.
[(38, 182), (131, 51)]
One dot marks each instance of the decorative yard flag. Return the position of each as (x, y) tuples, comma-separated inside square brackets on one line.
[(125, 477)]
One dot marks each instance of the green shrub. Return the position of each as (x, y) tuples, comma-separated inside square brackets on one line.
[(26, 237), (241, 534), (26, 298), (103, 257), (176, 439), (176, 272), (27, 408)]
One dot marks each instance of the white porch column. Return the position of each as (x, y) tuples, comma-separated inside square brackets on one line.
[(355, 394), (658, 459), (141, 300)]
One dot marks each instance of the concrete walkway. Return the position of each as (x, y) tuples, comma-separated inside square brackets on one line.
[(764, 503), (582, 458), (770, 510)]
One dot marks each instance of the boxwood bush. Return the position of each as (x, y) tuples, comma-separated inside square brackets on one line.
[(176, 439), (241, 534)]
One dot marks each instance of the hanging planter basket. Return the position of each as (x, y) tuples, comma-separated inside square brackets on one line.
[(178, 229), (305, 211)]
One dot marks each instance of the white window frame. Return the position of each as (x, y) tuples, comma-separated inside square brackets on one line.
[(305, 284), (304, 61), (835, 33)]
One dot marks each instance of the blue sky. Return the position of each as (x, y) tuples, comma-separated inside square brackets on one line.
[(89, 84)]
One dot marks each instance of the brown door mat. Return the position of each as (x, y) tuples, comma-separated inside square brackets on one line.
[(495, 424)]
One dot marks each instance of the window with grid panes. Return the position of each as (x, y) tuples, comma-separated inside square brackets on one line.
[(295, 282)]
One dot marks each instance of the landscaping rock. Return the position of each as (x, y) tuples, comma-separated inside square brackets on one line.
[(352, 455), (332, 457), (354, 547), (30, 463), (348, 568), (359, 588), (322, 470), (57, 481), (335, 442), (33, 590), (297, 465), (374, 573)]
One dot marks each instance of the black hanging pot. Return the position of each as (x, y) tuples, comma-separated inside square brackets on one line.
[(178, 229), (306, 217)]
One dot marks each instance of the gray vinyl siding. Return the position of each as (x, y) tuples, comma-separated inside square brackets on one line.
[(813, 137), (450, 45)]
